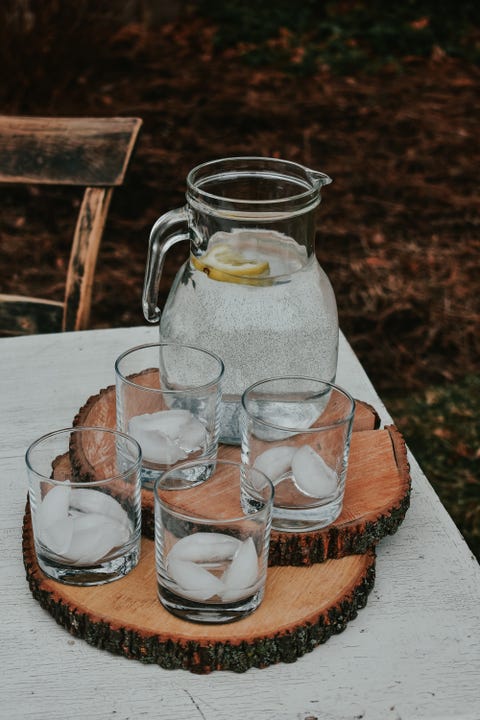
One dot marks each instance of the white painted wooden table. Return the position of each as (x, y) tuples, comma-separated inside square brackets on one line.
[(413, 652)]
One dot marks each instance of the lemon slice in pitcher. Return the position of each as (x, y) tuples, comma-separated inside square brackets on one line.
[(222, 262)]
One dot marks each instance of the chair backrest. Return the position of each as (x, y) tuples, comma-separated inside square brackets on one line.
[(93, 153)]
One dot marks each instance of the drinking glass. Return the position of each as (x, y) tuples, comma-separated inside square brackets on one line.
[(168, 397), (85, 502), (211, 540), (297, 431)]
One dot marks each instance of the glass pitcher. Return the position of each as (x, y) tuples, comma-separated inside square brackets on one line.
[(252, 290)]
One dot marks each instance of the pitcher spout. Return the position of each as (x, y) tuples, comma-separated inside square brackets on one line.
[(319, 178)]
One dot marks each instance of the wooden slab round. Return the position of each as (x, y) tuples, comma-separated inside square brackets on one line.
[(302, 608), (377, 491)]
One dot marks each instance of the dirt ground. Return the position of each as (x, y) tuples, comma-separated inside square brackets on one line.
[(397, 229)]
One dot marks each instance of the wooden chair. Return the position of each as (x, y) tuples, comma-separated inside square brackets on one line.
[(88, 152)]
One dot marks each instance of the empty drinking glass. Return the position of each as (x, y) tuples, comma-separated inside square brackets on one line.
[(168, 398), (85, 502), (211, 540), (297, 431)]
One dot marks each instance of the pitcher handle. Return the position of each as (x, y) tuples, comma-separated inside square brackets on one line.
[(169, 229)]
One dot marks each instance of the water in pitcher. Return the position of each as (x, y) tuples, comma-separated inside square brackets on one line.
[(270, 310)]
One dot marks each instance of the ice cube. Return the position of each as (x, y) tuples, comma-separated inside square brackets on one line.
[(204, 547), (87, 500), (193, 581), (157, 447), (168, 422), (282, 416), (54, 506), (192, 435), (275, 461), (94, 536), (312, 475), (242, 572), (167, 436), (57, 537)]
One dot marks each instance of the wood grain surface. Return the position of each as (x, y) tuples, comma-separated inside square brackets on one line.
[(377, 491), (301, 609)]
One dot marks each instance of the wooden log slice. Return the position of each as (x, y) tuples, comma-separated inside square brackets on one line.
[(100, 409), (377, 497), (377, 492), (302, 608)]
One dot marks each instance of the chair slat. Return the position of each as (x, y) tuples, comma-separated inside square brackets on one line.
[(66, 151), (83, 258), (20, 315)]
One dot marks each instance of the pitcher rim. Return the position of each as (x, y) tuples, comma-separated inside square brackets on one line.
[(313, 181)]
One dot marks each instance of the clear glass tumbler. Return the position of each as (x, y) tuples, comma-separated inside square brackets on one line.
[(168, 397), (297, 431), (85, 502), (211, 540)]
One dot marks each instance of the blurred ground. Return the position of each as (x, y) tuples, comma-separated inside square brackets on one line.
[(398, 228)]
